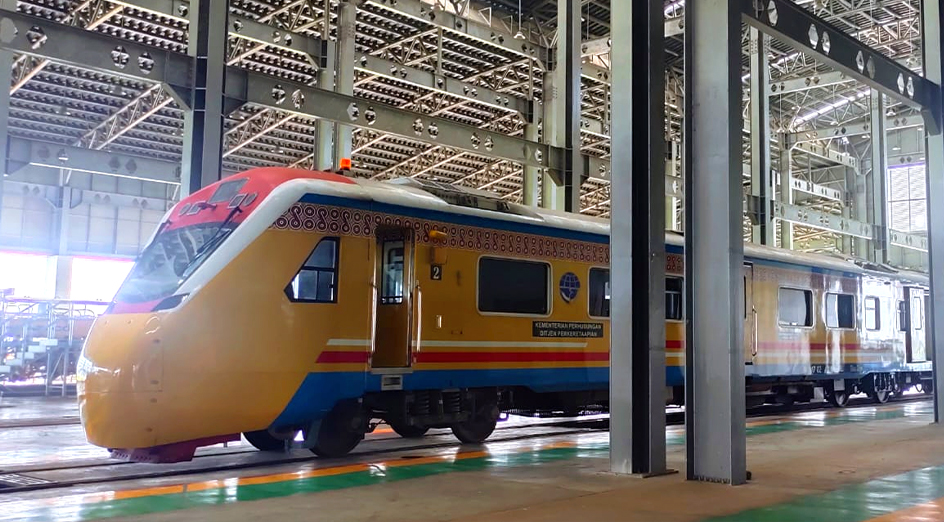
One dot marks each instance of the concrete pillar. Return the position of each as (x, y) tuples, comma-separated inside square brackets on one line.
[(714, 244), (637, 240), (63, 276), (567, 81), (6, 79), (763, 230), (932, 19), (203, 124)]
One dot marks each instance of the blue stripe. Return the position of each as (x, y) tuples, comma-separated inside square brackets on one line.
[(525, 228), (320, 391)]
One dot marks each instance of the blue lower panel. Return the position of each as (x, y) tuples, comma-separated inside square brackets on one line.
[(320, 391)]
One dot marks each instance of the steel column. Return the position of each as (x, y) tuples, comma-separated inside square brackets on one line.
[(785, 195), (347, 14), (324, 138), (876, 199), (203, 124), (637, 240), (529, 187), (6, 79), (714, 244), (932, 19), (567, 80), (763, 230)]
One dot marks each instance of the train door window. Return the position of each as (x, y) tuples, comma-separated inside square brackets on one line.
[(599, 292), (902, 317), (513, 286), (673, 299), (391, 285), (873, 315), (795, 307), (840, 310), (917, 312), (317, 279)]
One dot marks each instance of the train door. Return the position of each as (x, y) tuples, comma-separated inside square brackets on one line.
[(915, 340), (750, 316), (393, 306)]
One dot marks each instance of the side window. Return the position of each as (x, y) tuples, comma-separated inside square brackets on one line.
[(873, 315), (840, 311), (902, 317), (513, 286), (917, 311), (673, 298), (796, 307), (317, 279), (599, 292), (391, 283)]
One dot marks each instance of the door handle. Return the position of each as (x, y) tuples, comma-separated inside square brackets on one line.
[(754, 343), (419, 316)]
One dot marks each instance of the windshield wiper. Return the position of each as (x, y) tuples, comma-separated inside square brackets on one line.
[(217, 236)]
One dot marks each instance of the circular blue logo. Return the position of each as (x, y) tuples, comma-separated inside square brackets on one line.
[(569, 286)]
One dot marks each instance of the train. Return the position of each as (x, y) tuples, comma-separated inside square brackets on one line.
[(301, 309)]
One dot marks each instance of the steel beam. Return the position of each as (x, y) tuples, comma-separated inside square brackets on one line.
[(802, 185), (850, 129), (432, 81), (203, 123), (567, 80), (815, 81), (465, 28), (932, 19), (762, 232), (90, 50), (714, 244), (822, 220), (876, 198), (324, 133), (795, 25), (825, 153), (25, 153), (637, 241)]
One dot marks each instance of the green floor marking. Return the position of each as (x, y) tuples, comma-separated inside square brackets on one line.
[(29, 511), (856, 503)]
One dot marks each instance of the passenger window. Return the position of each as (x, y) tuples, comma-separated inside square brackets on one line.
[(795, 307), (391, 285), (840, 311), (673, 299), (917, 311), (513, 286), (873, 316), (599, 292), (316, 280), (902, 317)]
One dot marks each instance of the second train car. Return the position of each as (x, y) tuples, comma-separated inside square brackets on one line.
[(280, 301)]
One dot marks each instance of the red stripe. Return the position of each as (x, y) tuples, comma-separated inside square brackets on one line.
[(342, 357), (488, 357)]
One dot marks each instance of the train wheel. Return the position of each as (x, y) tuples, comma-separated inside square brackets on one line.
[(262, 440), (880, 397), (340, 431), (407, 431), (480, 426), (838, 399)]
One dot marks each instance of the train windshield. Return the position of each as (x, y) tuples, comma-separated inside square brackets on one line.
[(169, 260)]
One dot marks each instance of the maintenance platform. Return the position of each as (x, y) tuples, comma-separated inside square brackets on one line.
[(863, 463)]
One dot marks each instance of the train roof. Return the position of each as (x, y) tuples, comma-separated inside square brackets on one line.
[(444, 197)]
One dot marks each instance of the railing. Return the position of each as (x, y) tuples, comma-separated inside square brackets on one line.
[(40, 340)]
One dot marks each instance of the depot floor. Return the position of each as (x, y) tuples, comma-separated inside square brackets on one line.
[(876, 463)]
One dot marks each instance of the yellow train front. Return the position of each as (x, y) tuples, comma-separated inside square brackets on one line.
[(280, 301)]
